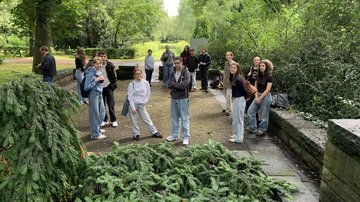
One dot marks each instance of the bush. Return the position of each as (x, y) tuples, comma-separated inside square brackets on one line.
[(17, 51), (112, 53)]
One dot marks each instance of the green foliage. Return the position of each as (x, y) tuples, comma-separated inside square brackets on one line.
[(113, 53), (314, 46), (207, 172), (38, 140)]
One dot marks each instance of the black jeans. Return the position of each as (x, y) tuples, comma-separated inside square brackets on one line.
[(108, 96), (204, 77), (148, 75)]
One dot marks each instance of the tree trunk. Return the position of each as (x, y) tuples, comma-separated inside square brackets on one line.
[(31, 42), (42, 31)]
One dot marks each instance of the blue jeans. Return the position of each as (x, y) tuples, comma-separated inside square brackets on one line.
[(141, 110), (79, 76), (238, 110), (180, 111), (96, 112), (264, 107), (166, 73), (48, 79)]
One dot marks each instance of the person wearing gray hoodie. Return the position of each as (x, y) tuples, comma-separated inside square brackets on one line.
[(179, 91)]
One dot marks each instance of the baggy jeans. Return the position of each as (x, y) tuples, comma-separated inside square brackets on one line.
[(96, 112), (141, 110), (264, 106), (180, 111), (238, 110)]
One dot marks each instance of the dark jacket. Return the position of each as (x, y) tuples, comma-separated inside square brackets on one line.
[(206, 59), (192, 63), (110, 71), (180, 88), (48, 66), (79, 64)]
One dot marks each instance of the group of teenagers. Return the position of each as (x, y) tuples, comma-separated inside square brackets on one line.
[(101, 82), (238, 101)]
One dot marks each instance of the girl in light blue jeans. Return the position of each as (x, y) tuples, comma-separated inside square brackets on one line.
[(237, 81), (138, 96), (262, 99)]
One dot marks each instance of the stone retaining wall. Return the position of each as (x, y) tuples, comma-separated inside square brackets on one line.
[(64, 77), (341, 171), (305, 138)]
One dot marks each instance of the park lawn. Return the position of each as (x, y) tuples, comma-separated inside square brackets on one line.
[(11, 71)]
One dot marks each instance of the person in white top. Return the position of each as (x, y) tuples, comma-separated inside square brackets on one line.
[(149, 66), (138, 96)]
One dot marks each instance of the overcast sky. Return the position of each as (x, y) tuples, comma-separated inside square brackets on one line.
[(171, 7)]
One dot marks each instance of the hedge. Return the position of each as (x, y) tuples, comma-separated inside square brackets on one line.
[(112, 53)]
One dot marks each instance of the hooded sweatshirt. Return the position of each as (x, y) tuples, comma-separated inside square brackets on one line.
[(179, 87)]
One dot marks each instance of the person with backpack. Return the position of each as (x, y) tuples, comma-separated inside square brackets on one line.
[(237, 82), (138, 95), (93, 84), (262, 100), (179, 92)]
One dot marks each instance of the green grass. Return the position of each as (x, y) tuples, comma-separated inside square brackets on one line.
[(11, 71)]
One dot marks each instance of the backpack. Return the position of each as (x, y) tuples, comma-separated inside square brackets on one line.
[(84, 93), (280, 100)]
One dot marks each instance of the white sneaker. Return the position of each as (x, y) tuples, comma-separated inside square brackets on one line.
[(102, 131), (103, 123), (235, 141), (114, 124), (171, 139), (185, 141), (101, 136)]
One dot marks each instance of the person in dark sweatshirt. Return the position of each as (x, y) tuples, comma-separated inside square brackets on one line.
[(48, 65), (204, 64), (178, 84), (193, 63)]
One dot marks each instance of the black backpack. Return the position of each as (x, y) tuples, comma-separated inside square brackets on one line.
[(84, 93)]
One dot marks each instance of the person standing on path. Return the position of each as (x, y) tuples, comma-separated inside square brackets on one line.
[(185, 55), (138, 96), (192, 66), (80, 63), (93, 83), (167, 58), (109, 85), (227, 86), (48, 65), (237, 82), (149, 66), (204, 64), (178, 84)]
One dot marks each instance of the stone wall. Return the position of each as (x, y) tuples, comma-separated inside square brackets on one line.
[(341, 171), (64, 77), (305, 138)]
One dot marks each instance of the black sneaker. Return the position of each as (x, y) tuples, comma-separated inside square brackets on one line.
[(136, 137), (157, 135)]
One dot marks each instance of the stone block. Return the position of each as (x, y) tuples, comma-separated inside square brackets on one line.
[(345, 134), (327, 194)]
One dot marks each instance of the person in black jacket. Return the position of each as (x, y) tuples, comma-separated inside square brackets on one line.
[(109, 85), (204, 64), (48, 65), (192, 61)]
